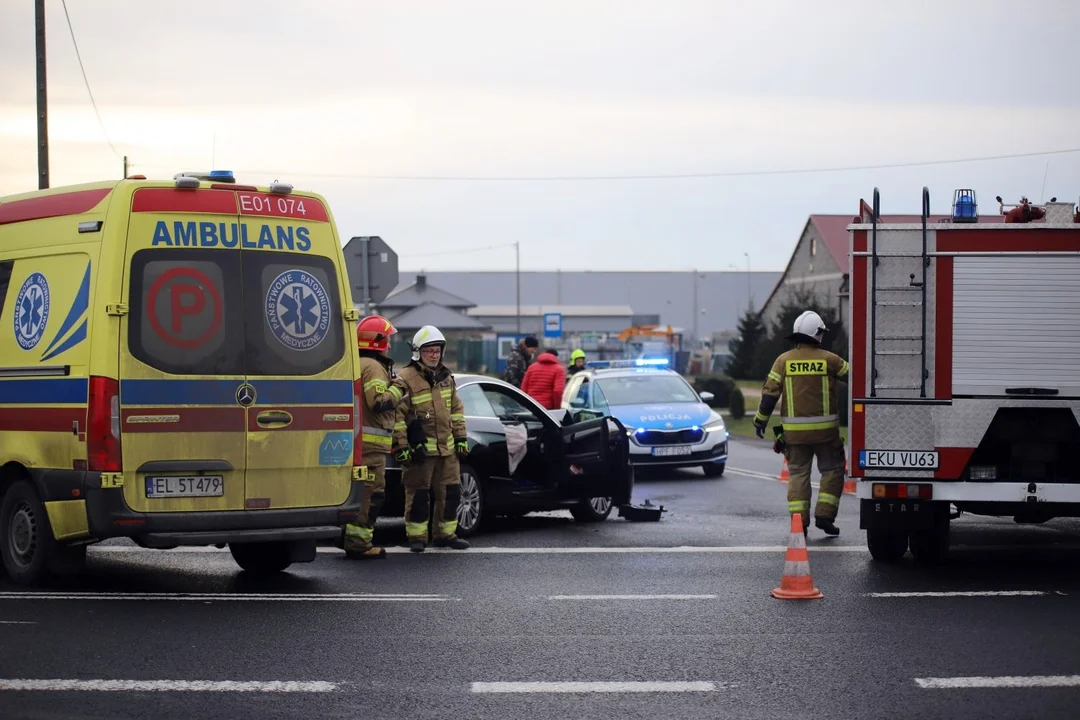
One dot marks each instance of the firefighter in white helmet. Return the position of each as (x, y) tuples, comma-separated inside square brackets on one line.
[(429, 434), (803, 380)]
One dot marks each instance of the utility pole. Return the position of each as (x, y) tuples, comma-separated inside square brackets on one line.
[(42, 98), (749, 294), (695, 308), (125, 167), (517, 276)]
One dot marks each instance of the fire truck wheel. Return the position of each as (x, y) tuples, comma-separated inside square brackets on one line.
[(887, 545), (929, 545)]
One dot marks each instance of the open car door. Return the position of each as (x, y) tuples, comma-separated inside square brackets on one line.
[(595, 461)]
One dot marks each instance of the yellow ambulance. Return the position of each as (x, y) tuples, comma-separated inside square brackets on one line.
[(178, 366)]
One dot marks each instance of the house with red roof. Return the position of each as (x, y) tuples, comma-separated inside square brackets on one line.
[(820, 262)]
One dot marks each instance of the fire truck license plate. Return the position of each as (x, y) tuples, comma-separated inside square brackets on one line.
[(899, 459)]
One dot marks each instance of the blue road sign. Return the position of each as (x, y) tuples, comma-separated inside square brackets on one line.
[(552, 325)]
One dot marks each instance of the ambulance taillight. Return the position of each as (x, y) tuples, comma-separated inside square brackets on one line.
[(357, 410), (103, 426)]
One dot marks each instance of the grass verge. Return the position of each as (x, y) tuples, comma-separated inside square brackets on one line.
[(745, 428)]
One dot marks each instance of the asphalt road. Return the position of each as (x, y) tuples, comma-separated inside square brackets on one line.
[(547, 618)]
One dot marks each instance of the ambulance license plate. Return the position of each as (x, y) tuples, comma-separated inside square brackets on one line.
[(670, 451), (899, 459), (185, 486)]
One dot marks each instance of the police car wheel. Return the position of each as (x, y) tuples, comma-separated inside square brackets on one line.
[(592, 510), (261, 558), (714, 470), (25, 535)]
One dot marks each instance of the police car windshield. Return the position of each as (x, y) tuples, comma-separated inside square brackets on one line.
[(646, 389)]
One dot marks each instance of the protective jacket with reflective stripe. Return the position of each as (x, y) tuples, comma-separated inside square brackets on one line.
[(431, 397), (381, 397), (803, 381)]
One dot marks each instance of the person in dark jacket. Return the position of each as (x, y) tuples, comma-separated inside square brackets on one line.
[(545, 380), (518, 361)]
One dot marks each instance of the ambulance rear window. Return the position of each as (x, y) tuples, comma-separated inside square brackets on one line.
[(187, 311), (294, 315), (216, 312)]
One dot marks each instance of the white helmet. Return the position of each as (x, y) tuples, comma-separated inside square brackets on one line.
[(427, 335), (809, 324)]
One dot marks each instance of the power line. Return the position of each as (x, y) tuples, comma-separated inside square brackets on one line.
[(674, 176), (87, 81), (458, 252)]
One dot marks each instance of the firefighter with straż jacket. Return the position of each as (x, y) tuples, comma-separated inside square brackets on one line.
[(381, 398), (805, 378), (429, 433)]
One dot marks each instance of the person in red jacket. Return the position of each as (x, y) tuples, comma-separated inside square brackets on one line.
[(545, 379)]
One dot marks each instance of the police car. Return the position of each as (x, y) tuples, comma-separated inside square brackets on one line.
[(669, 424)]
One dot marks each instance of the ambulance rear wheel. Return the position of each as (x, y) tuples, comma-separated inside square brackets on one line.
[(886, 545), (261, 558), (26, 539)]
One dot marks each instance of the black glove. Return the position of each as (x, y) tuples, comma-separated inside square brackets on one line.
[(403, 456), (759, 428), (381, 407)]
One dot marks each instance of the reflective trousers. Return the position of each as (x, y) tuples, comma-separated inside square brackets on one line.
[(358, 537), (438, 476), (830, 462)]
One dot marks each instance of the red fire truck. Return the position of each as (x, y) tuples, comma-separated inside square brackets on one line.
[(965, 371)]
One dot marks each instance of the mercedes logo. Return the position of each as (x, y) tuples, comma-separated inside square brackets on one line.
[(245, 395)]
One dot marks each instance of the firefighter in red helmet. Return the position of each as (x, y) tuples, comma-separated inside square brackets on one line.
[(381, 396)]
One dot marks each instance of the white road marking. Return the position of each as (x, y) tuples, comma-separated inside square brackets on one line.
[(764, 476), (591, 687), (958, 593), (632, 597), (1007, 681), (17, 622), (224, 597), (530, 550), (274, 686)]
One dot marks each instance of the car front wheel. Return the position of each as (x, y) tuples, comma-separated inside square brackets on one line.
[(592, 510), (470, 511)]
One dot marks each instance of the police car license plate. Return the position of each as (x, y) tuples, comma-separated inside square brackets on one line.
[(899, 459), (669, 451), (185, 486)]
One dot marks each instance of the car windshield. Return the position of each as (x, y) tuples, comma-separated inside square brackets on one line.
[(646, 389)]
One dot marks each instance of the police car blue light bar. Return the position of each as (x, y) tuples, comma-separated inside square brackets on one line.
[(639, 362)]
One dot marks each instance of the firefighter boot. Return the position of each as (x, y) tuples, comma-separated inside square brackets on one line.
[(452, 542), (827, 525), (417, 546), (372, 553)]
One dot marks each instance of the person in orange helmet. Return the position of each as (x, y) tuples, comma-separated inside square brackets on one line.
[(381, 396)]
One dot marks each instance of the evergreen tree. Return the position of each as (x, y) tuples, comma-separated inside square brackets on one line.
[(752, 333), (799, 301)]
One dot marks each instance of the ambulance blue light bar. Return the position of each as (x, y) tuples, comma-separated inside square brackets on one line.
[(225, 176)]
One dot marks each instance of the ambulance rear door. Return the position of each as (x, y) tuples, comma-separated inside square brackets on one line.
[(182, 353), (300, 425)]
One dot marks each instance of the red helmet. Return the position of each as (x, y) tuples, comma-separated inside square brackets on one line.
[(373, 333)]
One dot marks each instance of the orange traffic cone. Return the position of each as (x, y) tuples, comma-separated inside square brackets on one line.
[(796, 583), (784, 474)]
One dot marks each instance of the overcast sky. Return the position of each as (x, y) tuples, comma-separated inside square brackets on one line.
[(319, 93)]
